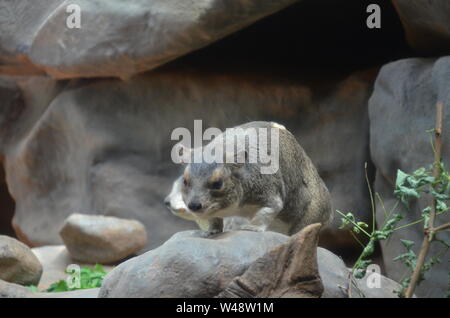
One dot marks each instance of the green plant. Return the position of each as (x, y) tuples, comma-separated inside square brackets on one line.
[(33, 288), (408, 187), (89, 278), (433, 180), (373, 235), (363, 261)]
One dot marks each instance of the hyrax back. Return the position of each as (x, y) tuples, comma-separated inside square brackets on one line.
[(307, 199), (287, 199)]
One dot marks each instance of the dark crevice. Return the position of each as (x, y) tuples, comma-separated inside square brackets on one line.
[(312, 37), (7, 206)]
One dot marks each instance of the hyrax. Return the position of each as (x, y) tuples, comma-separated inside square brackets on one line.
[(174, 202), (283, 197)]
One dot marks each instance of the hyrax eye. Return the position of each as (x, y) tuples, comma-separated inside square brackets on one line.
[(185, 182), (217, 185)]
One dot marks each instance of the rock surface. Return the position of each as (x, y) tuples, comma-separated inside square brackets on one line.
[(103, 146), (427, 24), (54, 260), (17, 263), (190, 266), (9, 290), (288, 270), (102, 239), (115, 39), (402, 108)]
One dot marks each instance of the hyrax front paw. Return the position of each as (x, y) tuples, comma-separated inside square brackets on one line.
[(254, 228), (209, 233)]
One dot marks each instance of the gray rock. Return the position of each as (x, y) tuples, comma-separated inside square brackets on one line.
[(362, 288), (102, 239), (190, 266), (402, 108), (116, 39), (9, 290), (103, 146), (17, 263), (427, 24), (288, 270), (81, 293), (338, 283)]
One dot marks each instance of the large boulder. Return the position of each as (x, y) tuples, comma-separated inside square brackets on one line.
[(427, 24), (240, 264), (114, 39), (188, 265), (102, 239), (103, 146), (17, 263), (11, 290), (401, 109), (288, 270)]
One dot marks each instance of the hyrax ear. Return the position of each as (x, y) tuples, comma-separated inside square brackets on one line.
[(181, 154)]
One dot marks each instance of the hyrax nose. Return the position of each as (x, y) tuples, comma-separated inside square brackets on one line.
[(194, 206)]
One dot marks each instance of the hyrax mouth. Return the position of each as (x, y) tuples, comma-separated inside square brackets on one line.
[(206, 212), (183, 213)]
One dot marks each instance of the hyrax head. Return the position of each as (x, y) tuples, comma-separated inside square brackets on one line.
[(174, 201), (209, 188)]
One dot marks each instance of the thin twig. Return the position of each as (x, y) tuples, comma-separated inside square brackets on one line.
[(441, 227), (352, 283), (372, 201), (420, 221), (382, 204), (429, 231), (360, 228), (356, 239)]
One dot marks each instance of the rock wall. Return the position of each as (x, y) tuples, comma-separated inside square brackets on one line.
[(103, 146), (427, 24), (36, 40)]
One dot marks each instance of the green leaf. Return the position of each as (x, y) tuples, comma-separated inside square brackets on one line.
[(89, 278), (59, 286), (33, 288), (347, 220), (401, 178), (408, 244)]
